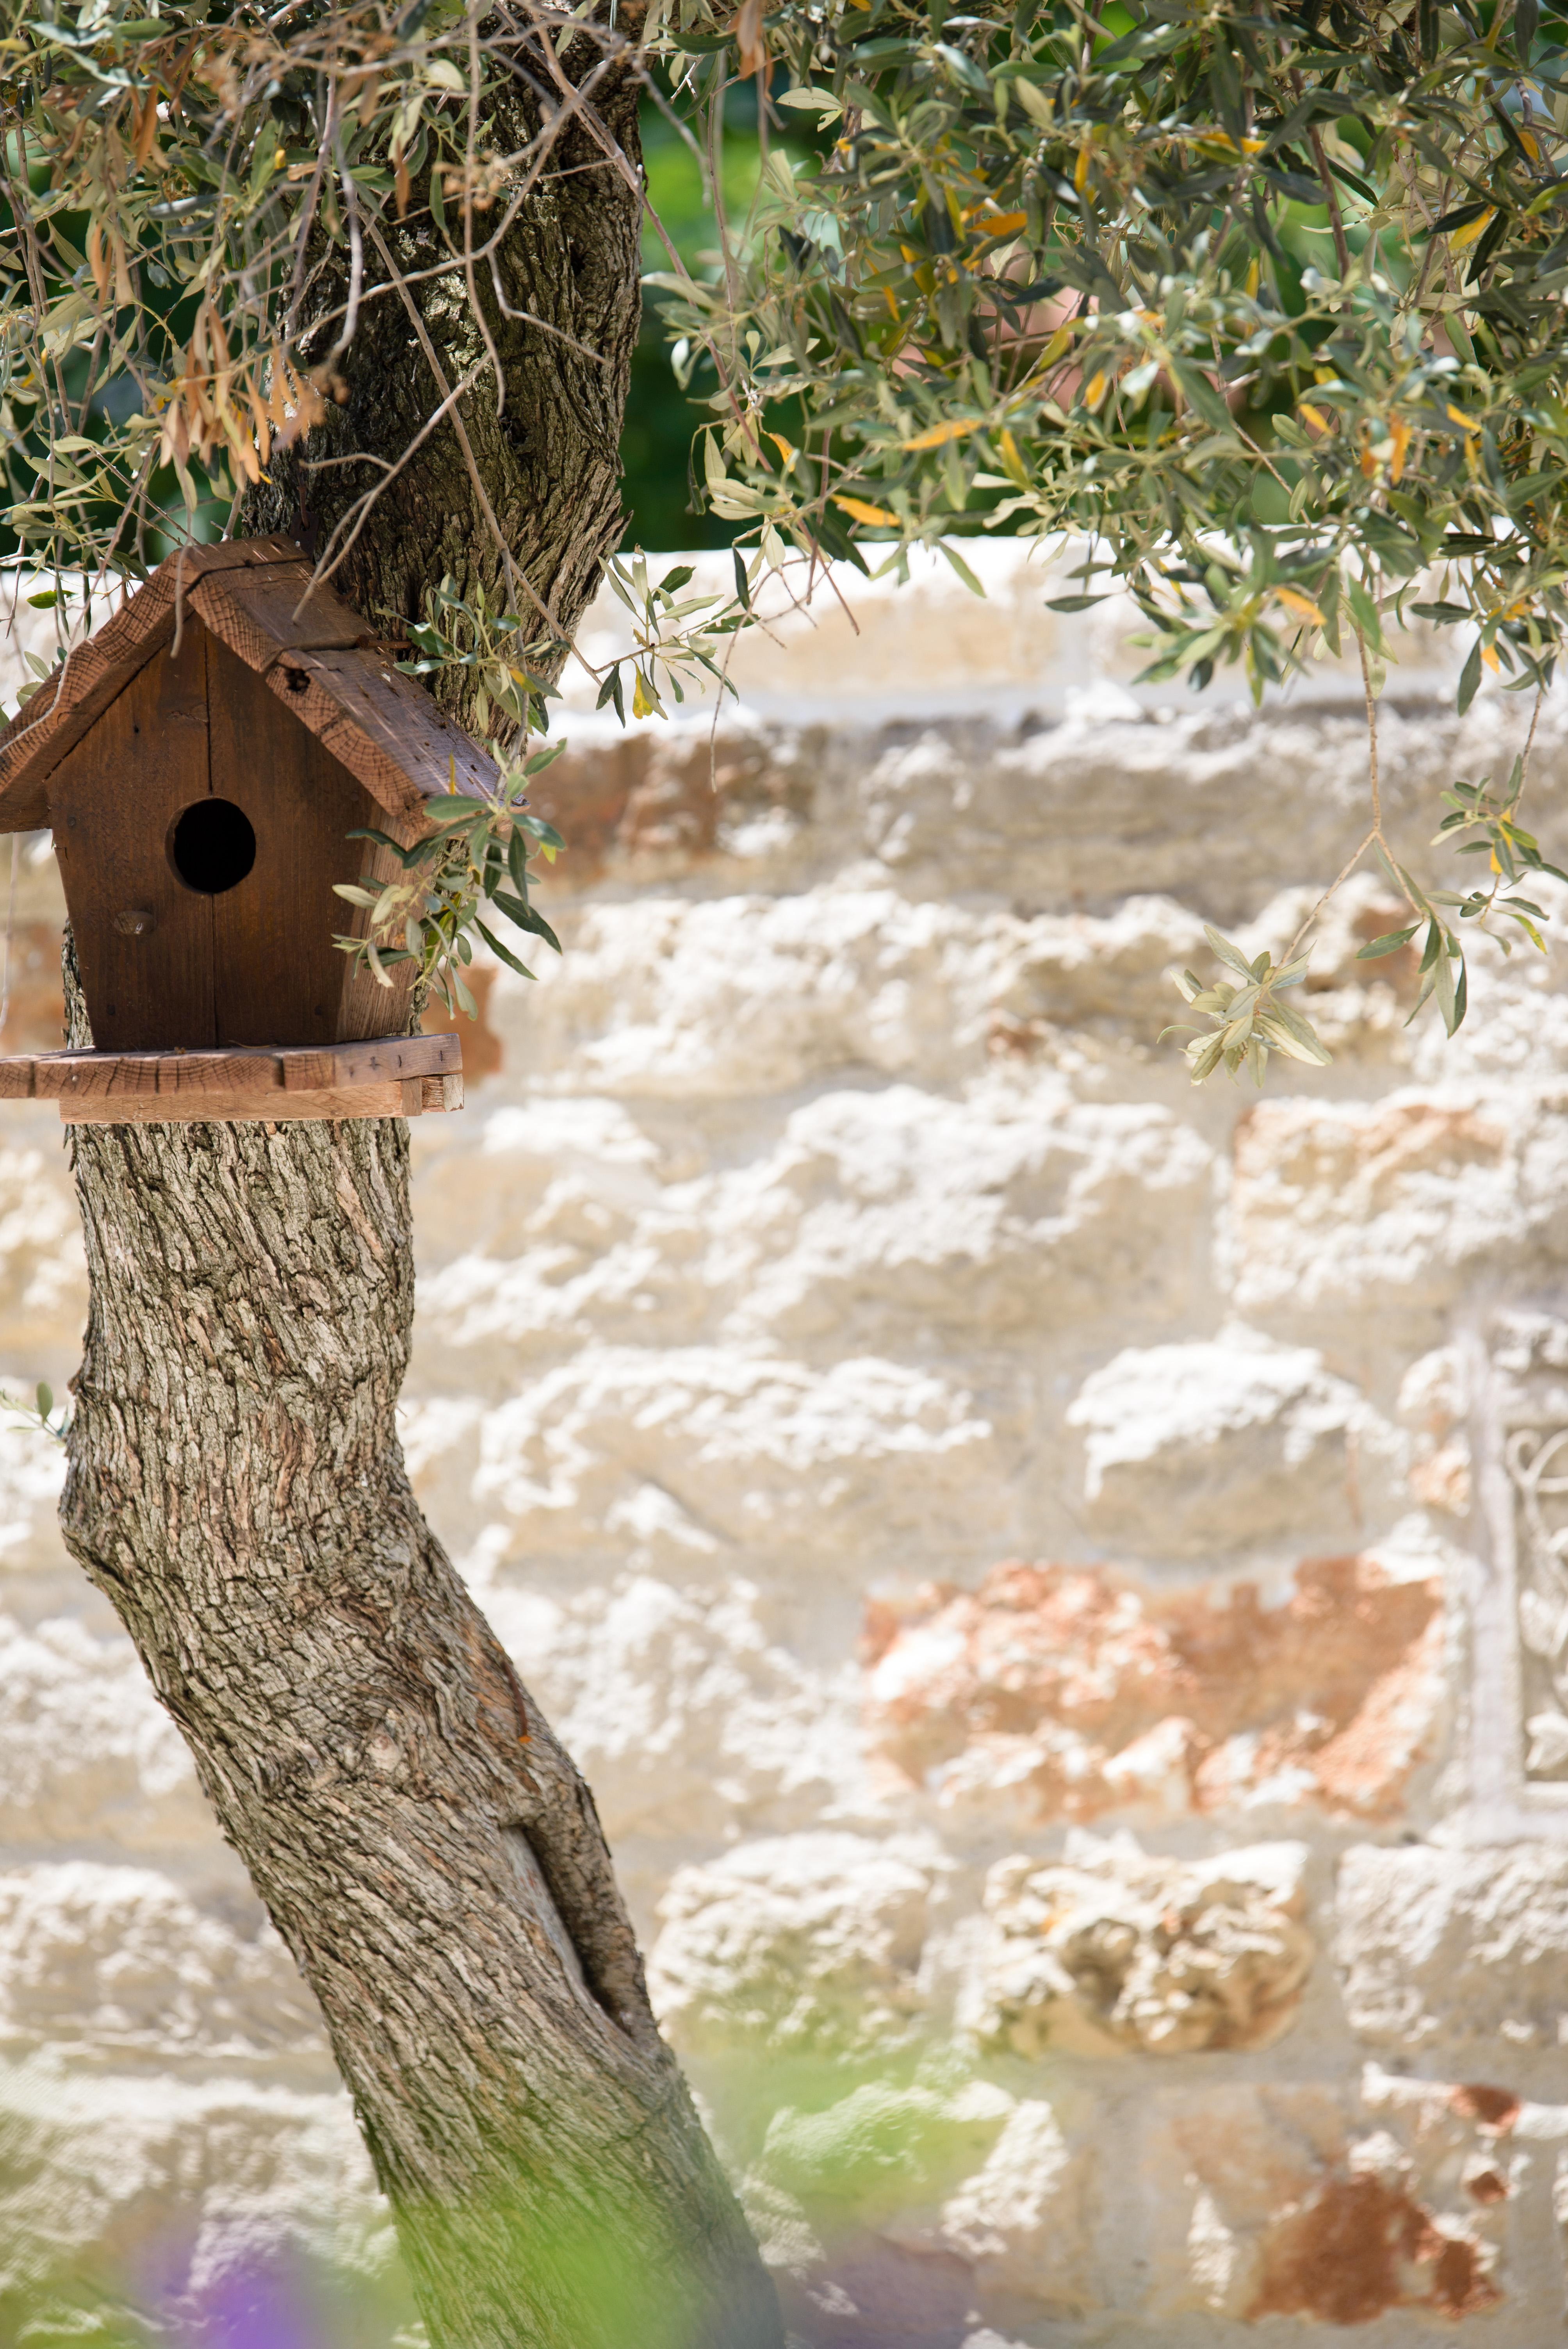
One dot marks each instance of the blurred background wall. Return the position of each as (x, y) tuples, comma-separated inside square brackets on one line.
[(1055, 1577)]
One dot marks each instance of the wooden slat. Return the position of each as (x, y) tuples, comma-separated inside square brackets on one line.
[(277, 972), (386, 728), (380, 725), (111, 803), (443, 1092), (376, 1060), (254, 612), (46, 727), (237, 1108), (400, 804), (79, 1076), (260, 1069)]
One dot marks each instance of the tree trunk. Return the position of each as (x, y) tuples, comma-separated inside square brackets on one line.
[(421, 1841), (548, 454)]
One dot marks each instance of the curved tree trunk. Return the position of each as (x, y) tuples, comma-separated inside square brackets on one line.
[(236, 1488), (421, 1841)]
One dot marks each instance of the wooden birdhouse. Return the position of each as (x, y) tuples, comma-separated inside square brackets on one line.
[(201, 761)]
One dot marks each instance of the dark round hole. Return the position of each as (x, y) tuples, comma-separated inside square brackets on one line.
[(212, 846)]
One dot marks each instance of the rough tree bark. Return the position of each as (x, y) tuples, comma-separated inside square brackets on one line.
[(547, 452), (420, 1839)]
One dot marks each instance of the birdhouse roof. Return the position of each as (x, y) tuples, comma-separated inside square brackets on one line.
[(317, 656)]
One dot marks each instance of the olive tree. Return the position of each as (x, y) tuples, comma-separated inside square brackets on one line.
[(1258, 308)]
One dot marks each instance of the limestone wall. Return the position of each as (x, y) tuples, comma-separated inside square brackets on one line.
[(1057, 1578)]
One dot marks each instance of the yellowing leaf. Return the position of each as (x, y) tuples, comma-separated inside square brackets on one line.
[(1460, 237), (1011, 459), (1080, 171), (1098, 385), (1399, 433), (1489, 655), (1002, 223), (1254, 273), (642, 706), (1060, 341), (1302, 606), (1469, 422), (785, 449), (936, 436), (878, 516), (1314, 416)]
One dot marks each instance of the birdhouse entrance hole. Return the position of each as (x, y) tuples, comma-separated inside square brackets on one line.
[(212, 846)]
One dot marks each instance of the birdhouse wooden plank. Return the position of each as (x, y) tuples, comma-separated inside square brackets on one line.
[(201, 761), (283, 918), (144, 945), (388, 1076)]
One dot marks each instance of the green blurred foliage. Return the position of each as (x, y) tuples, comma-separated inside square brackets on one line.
[(665, 508)]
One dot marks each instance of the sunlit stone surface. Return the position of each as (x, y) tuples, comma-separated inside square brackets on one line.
[(1055, 1578)]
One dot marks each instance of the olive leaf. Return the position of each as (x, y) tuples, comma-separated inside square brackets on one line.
[(1248, 1022)]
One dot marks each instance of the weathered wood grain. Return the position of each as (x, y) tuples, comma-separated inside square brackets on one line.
[(102, 1076), (261, 613), (278, 977), (87, 1076), (49, 725), (243, 1105), (113, 803), (384, 727), (378, 1059)]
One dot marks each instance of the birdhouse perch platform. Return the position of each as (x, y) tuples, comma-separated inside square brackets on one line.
[(383, 1076)]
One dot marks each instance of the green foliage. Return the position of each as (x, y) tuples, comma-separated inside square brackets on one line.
[(1510, 851), (664, 499), (1262, 305), (1249, 1021), (671, 642), (38, 1410), (462, 634), (1265, 303), (475, 852)]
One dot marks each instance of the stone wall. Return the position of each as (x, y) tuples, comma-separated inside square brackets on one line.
[(1057, 1578)]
